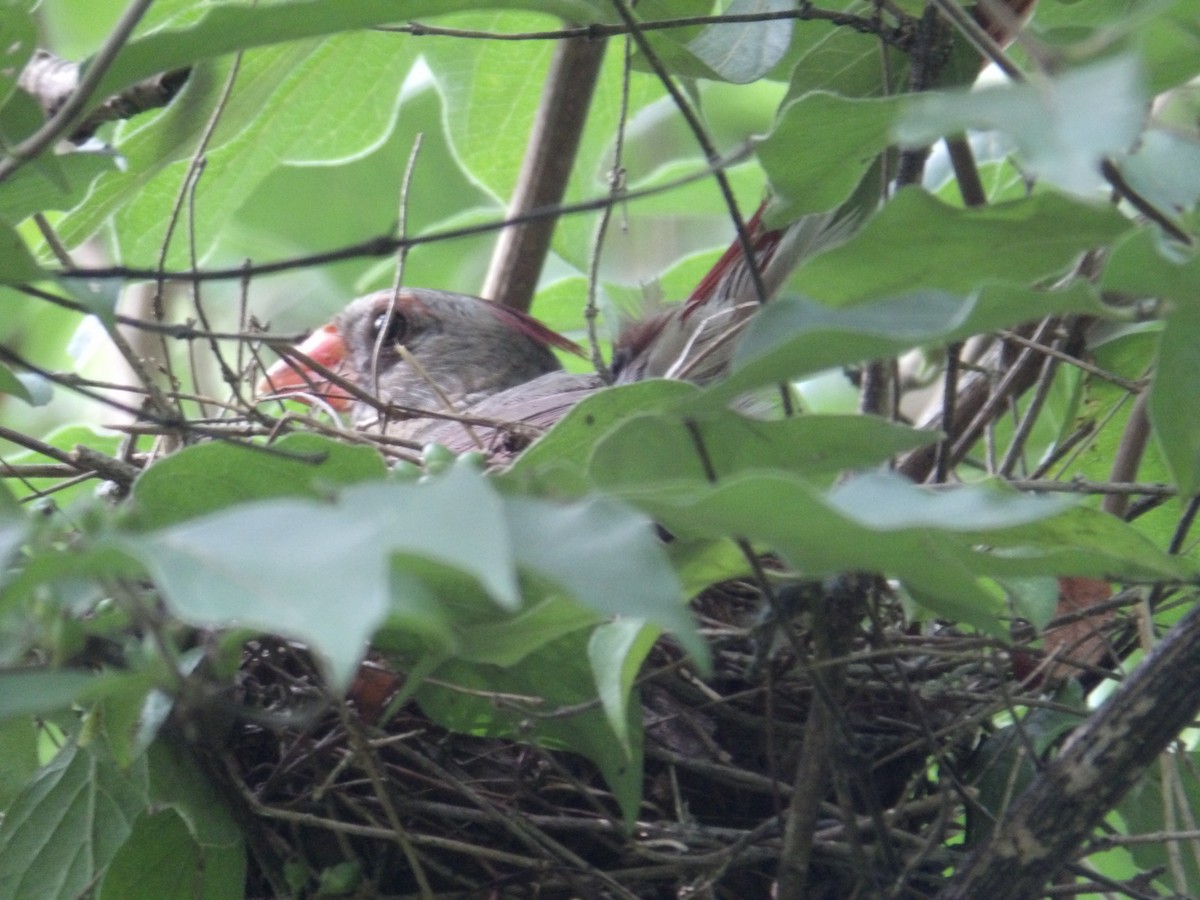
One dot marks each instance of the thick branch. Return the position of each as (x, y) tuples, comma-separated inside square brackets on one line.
[(1102, 760), (51, 82), (521, 249)]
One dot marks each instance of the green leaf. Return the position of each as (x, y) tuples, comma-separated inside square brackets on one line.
[(1003, 766), (287, 567), (605, 555), (742, 52), (559, 675), (942, 545), (793, 337), (491, 91), (1145, 811), (201, 853), (289, 107), (25, 692), (1169, 40), (17, 265), (917, 242), (11, 384), (1165, 169), (651, 448), (320, 573), (99, 297), (10, 509), (18, 757), (1085, 541), (852, 134), (68, 825), (786, 515), (1062, 126), (616, 652), (561, 455), (228, 28), (18, 40), (160, 859), (30, 190), (841, 62), (1141, 266), (506, 640), (1173, 396), (209, 477)]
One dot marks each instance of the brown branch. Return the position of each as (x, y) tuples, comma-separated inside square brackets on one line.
[(898, 34), (65, 118), (521, 250), (386, 245), (1129, 454), (1105, 757), (51, 81)]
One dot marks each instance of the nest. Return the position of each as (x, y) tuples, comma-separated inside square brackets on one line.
[(401, 806)]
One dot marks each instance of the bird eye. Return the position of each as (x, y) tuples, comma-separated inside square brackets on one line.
[(392, 324)]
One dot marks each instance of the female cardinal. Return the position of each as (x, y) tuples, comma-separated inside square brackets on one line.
[(428, 355)]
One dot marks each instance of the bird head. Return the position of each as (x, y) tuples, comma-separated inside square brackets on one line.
[(414, 347)]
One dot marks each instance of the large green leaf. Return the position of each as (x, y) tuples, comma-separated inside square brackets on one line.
[(607, 556), (841, 138), (160, 859), (560, 675), (1165, 168), (492, 90), (288, 105), (1054, 121), (17, 265), (18, 757), (11, 384), (1148, 810), (738, 52), (228, 28), (33, 692), (29, 190), (1140, 267), (616, 651), (187, 845), (561, 455), (209, 477), (320, 573), (306, 103), (67, 826), (18, 40), (1173, 396), (793, 337), (938, 544), (650, 448), (917, 242)]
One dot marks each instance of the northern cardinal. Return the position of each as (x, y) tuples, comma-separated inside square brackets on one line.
[(466, 356), (453, 355)]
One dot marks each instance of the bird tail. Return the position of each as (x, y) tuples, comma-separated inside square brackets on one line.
[(695, 340)]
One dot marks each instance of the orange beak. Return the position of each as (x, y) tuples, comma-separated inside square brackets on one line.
[(291, 377)]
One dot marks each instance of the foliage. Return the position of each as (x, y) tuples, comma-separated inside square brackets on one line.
[(521, 605)]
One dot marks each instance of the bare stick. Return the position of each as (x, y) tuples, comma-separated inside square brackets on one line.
[(521, 249)]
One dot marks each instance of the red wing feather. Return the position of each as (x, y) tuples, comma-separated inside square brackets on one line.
[(535, 330)]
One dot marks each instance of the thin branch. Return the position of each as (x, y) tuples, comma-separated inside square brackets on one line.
[(706, 145), (60, 123), (386, 245), (807, 12), (520, 251)]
